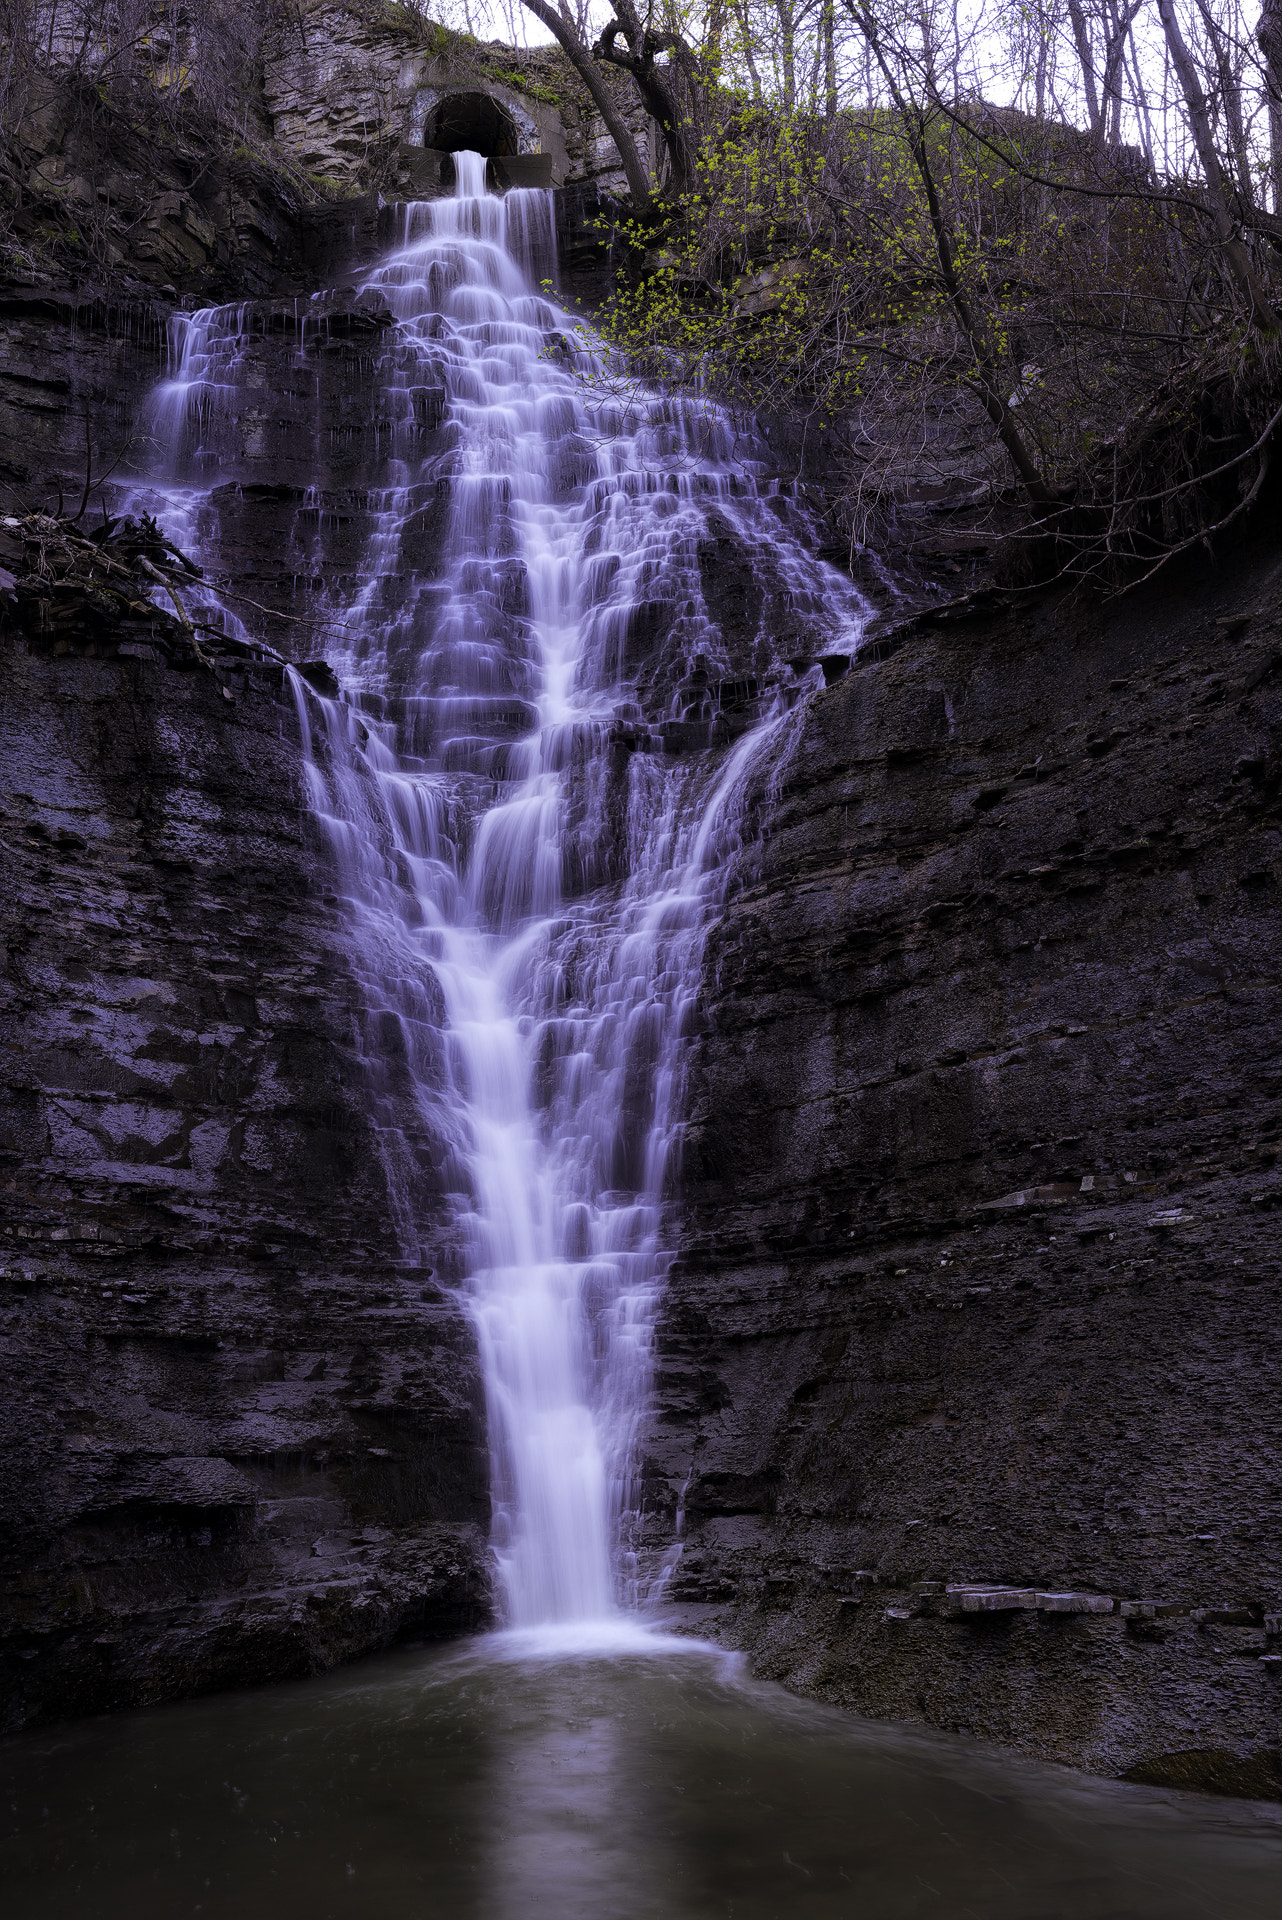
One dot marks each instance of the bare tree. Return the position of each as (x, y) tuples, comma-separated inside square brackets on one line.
[(1230, 93), (1101, 86), (983, 377), (569, 36), (1270, 38), (1219, 194), (666, 73)]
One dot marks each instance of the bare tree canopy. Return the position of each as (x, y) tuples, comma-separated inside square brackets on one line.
[(1047, 234)]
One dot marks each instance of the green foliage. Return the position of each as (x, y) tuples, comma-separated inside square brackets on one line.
[(329, 186), (432, 35), (521, 83), (802, 273)]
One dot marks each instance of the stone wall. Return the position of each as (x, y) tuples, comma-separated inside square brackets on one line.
[(350, 97), (979, 1283)]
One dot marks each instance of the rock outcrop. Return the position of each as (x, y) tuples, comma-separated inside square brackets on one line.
[(118, 222), (352, 98), (968, 1365), (979, 1283), (242, 1438), (967, 1381)]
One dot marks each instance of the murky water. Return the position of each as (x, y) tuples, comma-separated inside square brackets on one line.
[(509, 1780)]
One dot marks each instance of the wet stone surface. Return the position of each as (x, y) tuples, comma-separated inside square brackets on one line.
[(242, 1440), (979, 1284)]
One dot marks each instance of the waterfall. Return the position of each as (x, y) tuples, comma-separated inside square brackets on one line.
[(528, 876)]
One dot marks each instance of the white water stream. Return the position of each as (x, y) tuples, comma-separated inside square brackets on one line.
[(529, 955)]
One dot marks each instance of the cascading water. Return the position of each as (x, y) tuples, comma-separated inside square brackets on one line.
[(574, 664), (526, 918)]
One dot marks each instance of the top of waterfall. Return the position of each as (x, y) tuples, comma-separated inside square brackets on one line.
[(469, 176)]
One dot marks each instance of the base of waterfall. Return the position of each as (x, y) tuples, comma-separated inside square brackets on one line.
[(619, 1636), (595, 1772)]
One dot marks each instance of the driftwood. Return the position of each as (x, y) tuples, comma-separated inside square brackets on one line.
[(121, 587)]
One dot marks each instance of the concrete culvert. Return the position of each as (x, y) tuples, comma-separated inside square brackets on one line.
[(470, 123)]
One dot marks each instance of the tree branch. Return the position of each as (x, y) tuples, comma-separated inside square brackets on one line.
[(984, 383), (1263, 314), (617, 127)]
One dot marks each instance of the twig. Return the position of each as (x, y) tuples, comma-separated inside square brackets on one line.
[(299, 619), (84, 498), (1197, 479), (183, 616), (1204, 535)]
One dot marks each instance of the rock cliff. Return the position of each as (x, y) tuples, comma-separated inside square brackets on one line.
[(241, 1439), (967, 1384), (967, 1371), (113, 222), (979, 1284)]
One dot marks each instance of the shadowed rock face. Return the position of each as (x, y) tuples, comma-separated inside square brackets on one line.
[(78, 365), (979, 1281), (1010, 938), (978, 1276), (242, 1440)]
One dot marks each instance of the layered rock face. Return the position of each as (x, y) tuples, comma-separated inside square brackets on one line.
[(242, 1439), (979, 1284), (77, 366), (978, 1280), (971, 1342), (348, 95), (120, 223), (246, 1439)]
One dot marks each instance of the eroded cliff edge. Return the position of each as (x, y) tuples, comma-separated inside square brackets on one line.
[(242, 1439), (1009, 936), (979, 1281)]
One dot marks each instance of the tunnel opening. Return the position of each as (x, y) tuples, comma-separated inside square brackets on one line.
[(469, 123)]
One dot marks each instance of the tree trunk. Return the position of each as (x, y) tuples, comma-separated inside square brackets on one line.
[(985, 382), (830, 60), (787, 51), (1262, 312), (1119, 21), (1086, 60), (745, 36), (606, 105), (1043, 49), (1270, 38), (1231, 97), (651, 83)]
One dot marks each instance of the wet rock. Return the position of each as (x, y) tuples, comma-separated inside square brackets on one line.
[(978, 1281), (215, 1355)]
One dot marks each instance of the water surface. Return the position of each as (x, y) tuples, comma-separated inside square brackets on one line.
[(634, 1779)]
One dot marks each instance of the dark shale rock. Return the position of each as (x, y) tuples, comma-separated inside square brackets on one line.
[(969, 1364), (967, 1367), (979, 1277), (242, 1438), (79, 361)]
